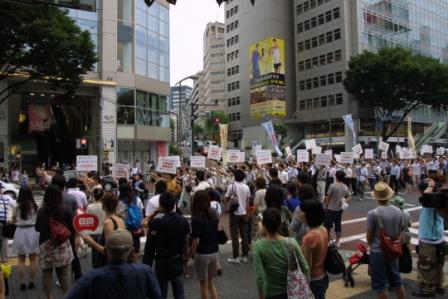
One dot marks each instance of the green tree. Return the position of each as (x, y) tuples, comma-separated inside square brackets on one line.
[(395, 82), (212, 127), (40, 42)]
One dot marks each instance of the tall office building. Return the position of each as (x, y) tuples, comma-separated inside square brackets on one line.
[(214, 66), (260, 74), (329, 32), (180, 94), (120, 110)]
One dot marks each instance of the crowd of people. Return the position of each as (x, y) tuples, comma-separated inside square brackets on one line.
[(281, 216)]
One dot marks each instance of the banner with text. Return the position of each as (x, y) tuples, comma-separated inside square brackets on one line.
[(86, 163)]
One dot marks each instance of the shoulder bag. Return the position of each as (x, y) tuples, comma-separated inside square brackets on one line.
[(297, 283), (231, 204), (8, 229), (391, 247), (334, 263), (59, 232)]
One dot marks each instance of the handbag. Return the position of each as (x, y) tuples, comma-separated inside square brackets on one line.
[(8, 229), (59, 232), (405, 261), (392, 248), (297, 283), (222, 237), (334, 263), (232, 204)]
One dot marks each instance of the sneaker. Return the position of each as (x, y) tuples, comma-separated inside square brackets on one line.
[(58, 283), (244, 259), (234, 260), (421, 294)]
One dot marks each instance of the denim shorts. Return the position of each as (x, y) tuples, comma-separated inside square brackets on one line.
[(384, 272)]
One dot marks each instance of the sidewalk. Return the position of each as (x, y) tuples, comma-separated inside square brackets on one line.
[(237, 282)]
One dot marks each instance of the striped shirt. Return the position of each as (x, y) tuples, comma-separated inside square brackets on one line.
[(6, 203)]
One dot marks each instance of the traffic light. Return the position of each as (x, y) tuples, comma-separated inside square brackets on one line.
[(83, 143)]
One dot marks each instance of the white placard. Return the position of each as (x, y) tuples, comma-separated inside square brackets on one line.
[(232, 156), (167, 165), (288, 151), (397, 149), (329, 152), (241, 157), (357, 149), (256, 148), (310, 144), (197, 162), (303, 156), (368, 153), (347, 157), (120, 171), (86, 163), (175, 159), (317, 150), (384, 155), (427, 149), (214, 152), (322, 159), (337, 158), (263, 157), (384, 146), (406, 153), (440, 151)]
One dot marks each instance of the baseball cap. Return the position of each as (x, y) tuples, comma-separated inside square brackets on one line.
[(119, 240)]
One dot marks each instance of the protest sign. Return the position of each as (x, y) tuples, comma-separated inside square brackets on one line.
[(86, 163), (368, 153), (214, 152), (167, 165), (397, 149), (329, 152), (241, 157), (232, 156), (120, 171), (440, 151), (406, 153), (316, 150), (384, 155), (323, 159), (176, 160), (303, 156), (263, 157), (310, 144), (337, 158), (288, 151), (426, 149), (384, 146), (197, 162), (347, 157), (357, 149)]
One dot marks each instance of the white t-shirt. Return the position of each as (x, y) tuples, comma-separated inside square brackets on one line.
[(243, 192), (283, 176), (153, 204), (202, 186), (80, 196)]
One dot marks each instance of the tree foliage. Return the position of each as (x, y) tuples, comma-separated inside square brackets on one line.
[(42, 42), (395, 82)]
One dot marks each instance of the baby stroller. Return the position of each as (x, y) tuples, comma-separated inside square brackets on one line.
[(359, 258)]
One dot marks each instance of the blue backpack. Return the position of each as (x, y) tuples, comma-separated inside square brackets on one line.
[(134, 219)]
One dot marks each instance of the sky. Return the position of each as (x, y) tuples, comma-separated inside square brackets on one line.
[(188, 19)]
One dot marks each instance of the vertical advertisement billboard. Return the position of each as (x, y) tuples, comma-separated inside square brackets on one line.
[(267, 78)]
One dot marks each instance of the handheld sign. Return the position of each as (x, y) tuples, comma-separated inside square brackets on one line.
[(310, 144), (167, 165), (357, 149), (263, 157), (323, 159), (214, 152), (384, 146), (86, 163), (85, 222), (232, 156), (316, 150), (369, 153), (303, 156), (120, 171), (346, 157), (197, 162)]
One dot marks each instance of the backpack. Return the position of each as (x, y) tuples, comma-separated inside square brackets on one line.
[(391, 247), (134, 219)]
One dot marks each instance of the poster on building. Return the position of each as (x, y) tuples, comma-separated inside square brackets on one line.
[(323, 159), (369, 153), (197, 162), (214, 152), (346, 157), (40, 118), (86, 163), (120, 171), (263, 157), (303, 156), (167, 165), (267, 78)]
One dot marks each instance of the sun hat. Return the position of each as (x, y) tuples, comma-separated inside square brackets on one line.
[(382, 192)]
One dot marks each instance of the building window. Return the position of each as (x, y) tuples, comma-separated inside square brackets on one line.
[(329, 36), (301, 85), (315, 82), (302, 105), (328, 16), (331, 99), (315, 62), (339, 99), (330, 79), (308, 84), (125, 106), (306, 25), (299, 9), (323, 101), (307, 44), (309, 104), (323, 80), (336, 13), (312, 4), (321, 39), (337, 55), (321, 19), (301, 66), (299, 27), (314, 42), (338, 77), (337, 34), (300, 47), (316, 103), (313, 22), (330, 57), (306, 6), (307, 64), (322, 60)]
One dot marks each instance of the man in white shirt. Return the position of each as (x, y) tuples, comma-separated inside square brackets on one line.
[(81, 198), (283, 174), (238, 220), (202, 183)]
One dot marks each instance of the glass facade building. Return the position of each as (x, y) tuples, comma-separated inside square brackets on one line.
[(421, 26)]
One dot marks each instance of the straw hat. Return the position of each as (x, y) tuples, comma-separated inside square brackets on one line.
[(382, 192)]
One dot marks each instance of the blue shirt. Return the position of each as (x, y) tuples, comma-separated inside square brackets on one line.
[(117, 281), (430, 226), (292, 203), (395, 171)]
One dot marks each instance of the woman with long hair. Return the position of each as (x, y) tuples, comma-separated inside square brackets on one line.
[(127, 198), (112, 222), (96, 208), (315, 245), (26, 239), (274, 198), (54, 255), (204, 247), (271, 256)]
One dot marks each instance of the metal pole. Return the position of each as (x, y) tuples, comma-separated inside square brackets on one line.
[(329, 122), (179, 116)]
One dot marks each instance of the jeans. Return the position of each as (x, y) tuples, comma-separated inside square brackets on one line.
[(239, 223), (372, 182), (384, 272), (319, 287), (177, 285)]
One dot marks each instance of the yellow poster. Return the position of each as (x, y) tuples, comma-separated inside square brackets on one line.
[(267, 78)]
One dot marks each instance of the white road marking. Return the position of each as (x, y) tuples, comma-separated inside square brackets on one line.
[(364, 218)]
